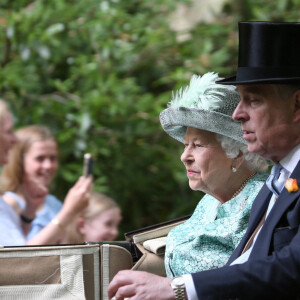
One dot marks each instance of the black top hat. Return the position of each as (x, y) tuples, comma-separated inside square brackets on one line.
[(269, 52)]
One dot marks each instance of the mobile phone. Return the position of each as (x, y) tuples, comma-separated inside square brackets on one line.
[(88, 163)]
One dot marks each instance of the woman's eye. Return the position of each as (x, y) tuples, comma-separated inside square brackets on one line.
[(198, 145)]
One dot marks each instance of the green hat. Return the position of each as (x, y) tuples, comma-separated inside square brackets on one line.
[(204, 105)]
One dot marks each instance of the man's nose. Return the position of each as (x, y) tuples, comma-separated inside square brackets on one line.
[(240, 113)]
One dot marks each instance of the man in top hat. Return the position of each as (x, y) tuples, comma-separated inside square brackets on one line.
[(266, 264)]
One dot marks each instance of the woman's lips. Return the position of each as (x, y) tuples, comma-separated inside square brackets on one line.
[(191, 172)]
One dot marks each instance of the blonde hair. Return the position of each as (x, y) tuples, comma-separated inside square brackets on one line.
[(98, 203), (13, 172), (3, 109)]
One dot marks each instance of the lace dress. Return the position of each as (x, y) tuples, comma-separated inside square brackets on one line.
[(207, 239)]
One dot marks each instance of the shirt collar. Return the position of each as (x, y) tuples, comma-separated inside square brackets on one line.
[(290, 161)]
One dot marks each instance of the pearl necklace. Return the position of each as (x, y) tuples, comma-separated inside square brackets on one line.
[(243, 185)]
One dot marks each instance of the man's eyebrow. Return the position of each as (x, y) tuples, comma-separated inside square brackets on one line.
[(253, 89)]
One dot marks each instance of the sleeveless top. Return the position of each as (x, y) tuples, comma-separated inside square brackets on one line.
[(207, 239)]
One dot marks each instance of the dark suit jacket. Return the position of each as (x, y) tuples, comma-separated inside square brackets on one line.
[(273, 268)]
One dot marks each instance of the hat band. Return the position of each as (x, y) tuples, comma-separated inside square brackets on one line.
[(252, 73)]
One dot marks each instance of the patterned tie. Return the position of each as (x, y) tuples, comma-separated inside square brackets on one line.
[(272, 182)]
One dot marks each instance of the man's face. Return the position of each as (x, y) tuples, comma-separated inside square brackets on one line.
[(268, 121)]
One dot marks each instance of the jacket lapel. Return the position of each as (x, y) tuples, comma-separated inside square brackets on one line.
[(285, 199), (258, 209)]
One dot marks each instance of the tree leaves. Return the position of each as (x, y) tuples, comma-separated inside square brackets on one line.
[(98, 73)]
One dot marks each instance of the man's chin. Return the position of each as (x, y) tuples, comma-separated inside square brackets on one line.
[(252, 147), (259, 151)]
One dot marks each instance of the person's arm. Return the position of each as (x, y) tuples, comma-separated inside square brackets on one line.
[(275, 277), (27, 213), (138, 285), (76, 200), (34, 193)]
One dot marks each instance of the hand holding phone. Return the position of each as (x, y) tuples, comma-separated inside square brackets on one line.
[(88, 163)]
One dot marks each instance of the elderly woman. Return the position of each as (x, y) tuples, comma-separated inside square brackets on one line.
[(218, 163)]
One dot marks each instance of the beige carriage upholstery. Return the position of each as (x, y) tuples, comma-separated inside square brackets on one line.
[(50, 272), (151, 242), (80, 271)]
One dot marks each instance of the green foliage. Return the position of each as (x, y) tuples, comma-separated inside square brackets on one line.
[(98, 73)]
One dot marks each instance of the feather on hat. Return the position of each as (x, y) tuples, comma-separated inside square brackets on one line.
[(205, 105)]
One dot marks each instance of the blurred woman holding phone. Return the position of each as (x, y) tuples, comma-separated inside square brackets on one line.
[(27, 174)]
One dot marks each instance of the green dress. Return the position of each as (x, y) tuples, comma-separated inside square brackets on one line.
[(207, 239)]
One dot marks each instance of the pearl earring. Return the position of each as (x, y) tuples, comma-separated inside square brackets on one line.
[(234, 169)]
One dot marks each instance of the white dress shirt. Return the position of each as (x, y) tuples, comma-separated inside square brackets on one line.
[(288, 163)]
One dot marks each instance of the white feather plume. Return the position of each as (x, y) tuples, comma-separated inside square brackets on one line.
[(201, 93)]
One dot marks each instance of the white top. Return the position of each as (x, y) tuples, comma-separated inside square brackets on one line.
[(11, 233)]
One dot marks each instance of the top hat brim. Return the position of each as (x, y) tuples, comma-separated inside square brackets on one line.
[(268, 54), (234, 81)]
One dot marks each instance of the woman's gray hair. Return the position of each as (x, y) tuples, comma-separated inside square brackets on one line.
[(233, 148)]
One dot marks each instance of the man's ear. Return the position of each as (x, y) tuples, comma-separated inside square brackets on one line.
[(296, 96), (80, 225)]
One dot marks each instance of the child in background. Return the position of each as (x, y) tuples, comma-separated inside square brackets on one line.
[(98, 222)]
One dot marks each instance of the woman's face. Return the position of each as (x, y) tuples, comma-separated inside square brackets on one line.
[(41, 162), (103, 227), (7, 137), (206, 163)]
